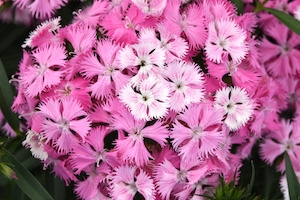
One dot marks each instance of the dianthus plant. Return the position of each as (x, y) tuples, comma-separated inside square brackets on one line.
[(130, 99)]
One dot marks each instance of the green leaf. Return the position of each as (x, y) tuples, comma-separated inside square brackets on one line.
[(292, 180), (25, 180), (6, 99), (249, 189), (286, 19), (239, 5)]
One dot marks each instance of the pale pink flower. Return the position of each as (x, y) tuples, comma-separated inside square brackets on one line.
[(185, 82), (64, 124), (147, 57), (175, 47), (48, 70), (152, 7), (197, 132), (234, 102), (36, 145), (134, 147), (225, 39), (149, 101), (127, 181)]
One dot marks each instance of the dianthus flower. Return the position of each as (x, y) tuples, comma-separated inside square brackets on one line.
[(225, 39), (133, 147), (197, 132), (185, 82), (281, 52), (235, 103), (127, 181), (148, 101), (64, 123)]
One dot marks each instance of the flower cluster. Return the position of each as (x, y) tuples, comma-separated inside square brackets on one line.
[(147, 98)]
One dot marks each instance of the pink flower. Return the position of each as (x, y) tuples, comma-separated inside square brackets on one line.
[(91, 15), (234, 102), (197, 132), (43, 34), (50, 59), (172, 180), (93, 153), (190, 22), (186, 84), (81, 37), (225, 39), (286, 138), (121, 25), (127, 181), (134, 147), (109, 78), (65, 123), (92, 186), (45, 9), (76, 88), (218, 9), (149, 101), (280, 50)]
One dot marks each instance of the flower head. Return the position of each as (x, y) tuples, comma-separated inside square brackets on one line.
[(148, 101), (234, 102)]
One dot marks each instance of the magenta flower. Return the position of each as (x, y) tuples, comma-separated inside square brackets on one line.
[(281, 53), (65, 123), (197, 132), (127, 181), (172, 180), (109, 79), (225, 39), (93, 153), (48, 70), (43, 34), (122, 24), (234, 102), (190, 22), (133, 147), (149, 101), (185, 82), (286, 138)]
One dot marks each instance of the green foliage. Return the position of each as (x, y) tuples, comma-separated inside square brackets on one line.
[(292, 180), (286, 19), (239, 5), (6, 98), (24, 179)]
